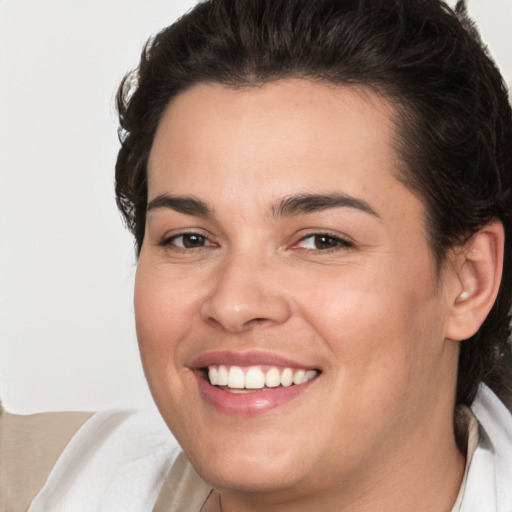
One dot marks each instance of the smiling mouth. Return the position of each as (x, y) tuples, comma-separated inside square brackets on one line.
[(245, 379)]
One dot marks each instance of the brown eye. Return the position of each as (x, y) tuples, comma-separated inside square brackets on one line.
[(323, 242), (192, 240), (188, 241)]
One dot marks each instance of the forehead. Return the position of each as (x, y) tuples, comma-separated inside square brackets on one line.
[(220, 131)]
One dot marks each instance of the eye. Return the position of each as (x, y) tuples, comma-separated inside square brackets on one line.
[(188, 241), (323, 242)]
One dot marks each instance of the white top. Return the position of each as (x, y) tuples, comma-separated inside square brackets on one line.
[(118, 461), (488, 482)]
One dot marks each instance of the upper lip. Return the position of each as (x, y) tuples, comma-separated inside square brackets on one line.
[(248, 358)]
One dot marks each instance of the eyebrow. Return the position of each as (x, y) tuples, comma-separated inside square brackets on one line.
[(288, 207), (309, 203), (182, 204)]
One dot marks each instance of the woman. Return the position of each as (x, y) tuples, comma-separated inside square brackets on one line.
[(320, 196)]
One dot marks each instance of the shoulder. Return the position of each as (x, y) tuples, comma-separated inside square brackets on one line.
[(489, 481), (30, 446), (113, 460), (116, 461)]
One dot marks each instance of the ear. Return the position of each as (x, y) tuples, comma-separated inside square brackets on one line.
[(478, 268)]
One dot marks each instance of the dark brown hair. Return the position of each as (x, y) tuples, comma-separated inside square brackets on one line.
[(454, 118)]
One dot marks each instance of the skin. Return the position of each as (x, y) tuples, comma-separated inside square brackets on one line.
[(374, 431)]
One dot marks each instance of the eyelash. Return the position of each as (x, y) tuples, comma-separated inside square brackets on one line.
[(337, 242), (340, 243), (171, 241)]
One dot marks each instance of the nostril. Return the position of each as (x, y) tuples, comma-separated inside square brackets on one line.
[(237, 308)]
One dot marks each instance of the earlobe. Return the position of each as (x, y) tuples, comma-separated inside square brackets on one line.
[(479, 266)]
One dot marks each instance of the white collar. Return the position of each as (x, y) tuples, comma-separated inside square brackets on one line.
[(487, 481)]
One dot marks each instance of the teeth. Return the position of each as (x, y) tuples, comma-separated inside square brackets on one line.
[(253, 377), (222, 376), (311, 374), (272, 378), (287, 377), (236, 378), (298, 377), (213, 375)]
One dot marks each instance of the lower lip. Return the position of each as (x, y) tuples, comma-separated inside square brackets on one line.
[(252, 403)]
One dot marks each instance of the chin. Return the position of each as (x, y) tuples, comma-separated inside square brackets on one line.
[(250, 476), (250, 463)]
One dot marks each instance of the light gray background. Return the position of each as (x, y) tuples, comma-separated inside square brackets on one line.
[(66, 262)]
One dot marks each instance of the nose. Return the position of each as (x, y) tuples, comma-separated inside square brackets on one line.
[(244, 294)]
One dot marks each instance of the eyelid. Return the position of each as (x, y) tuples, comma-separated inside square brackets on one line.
[(344, 242), (168, 238)]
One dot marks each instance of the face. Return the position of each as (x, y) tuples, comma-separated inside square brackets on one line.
[(289, 313)]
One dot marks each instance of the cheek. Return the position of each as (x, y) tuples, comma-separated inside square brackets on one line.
[(377, 320), (163, 319), (163, 309)]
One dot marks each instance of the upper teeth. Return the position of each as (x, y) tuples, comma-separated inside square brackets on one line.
[(254, 377)]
